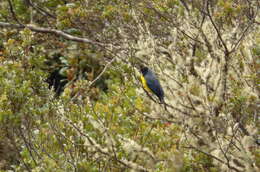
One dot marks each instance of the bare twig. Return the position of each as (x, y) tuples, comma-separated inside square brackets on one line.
[(124, 162), (208, 154), (97, 78), (51, 31), (40, 10), (12, 11), (171, 22), (185, 5), (232, 137), (214, 157), (102, 72), (225, 74), (216, 28), (179, 110), (27, 145), (241, 37), (221, 149), (208, 45), (18, 151)]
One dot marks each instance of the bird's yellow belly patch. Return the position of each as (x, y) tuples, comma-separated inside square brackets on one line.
[(145, 84)]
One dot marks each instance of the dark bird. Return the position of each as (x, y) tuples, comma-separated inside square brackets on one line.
[(151, 83)]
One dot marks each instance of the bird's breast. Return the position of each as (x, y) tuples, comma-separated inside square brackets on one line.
[(143, 80)]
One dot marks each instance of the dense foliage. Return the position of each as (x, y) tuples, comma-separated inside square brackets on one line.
[(71, 100)]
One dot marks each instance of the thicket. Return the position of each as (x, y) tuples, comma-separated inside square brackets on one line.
[(71, 99)]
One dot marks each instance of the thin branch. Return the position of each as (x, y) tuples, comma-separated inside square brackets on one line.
[(221, 149), (12, 11), (171, 22), (17, 150), (97, 78), (27, 145), (51, 31), (241, 37), (209, 45), (216, 28), (208, 154), (98, 147), (101, 73), (40, 10), (232, 137), (181, 111), (224, 81), (214, 157), (185, 5)]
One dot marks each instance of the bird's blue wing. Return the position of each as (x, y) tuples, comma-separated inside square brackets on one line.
[(154, 85)]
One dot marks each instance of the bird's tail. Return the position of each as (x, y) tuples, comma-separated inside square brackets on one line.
[(163, 102)]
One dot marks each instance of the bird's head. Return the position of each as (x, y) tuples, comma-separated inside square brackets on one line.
[(143, 69)]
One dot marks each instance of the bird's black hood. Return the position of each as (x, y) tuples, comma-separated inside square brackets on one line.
[(144, 70)]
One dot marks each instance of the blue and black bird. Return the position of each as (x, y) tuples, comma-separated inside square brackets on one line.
[(151, 83)]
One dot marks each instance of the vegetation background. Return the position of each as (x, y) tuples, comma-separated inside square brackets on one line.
[(71, 100)]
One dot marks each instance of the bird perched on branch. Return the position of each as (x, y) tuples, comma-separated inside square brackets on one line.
[(151, 83)]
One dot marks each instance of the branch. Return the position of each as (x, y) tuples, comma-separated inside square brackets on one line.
[(241, 37), (97, 78), (51, 31), (104, 151), (40, 10), (208, 154), (209, 45), (171, 22), (234, 127), (185, 5), (225, 74), (101, 73), (12, 11), (216, 28), (181, 111), (214, 157), (27, 145)]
